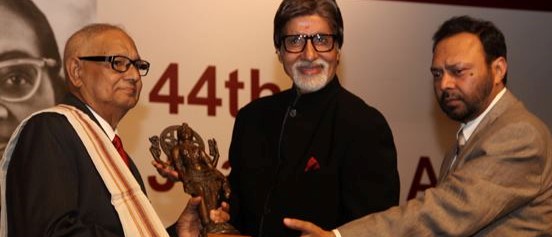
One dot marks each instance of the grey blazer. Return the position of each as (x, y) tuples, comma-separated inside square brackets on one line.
[(500, 185)]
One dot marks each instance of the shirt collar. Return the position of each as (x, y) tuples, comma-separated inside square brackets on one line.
[(104, 124), (468, 128)]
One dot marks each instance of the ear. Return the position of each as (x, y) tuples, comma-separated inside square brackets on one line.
[(338, 57), (74, 71), (499, 68), (279, 53)]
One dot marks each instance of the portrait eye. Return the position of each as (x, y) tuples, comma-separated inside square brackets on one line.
[(18, 78)]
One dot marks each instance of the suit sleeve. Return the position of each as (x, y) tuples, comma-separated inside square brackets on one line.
[(502, 174), (43, 182), (233, 178), (369, 175)]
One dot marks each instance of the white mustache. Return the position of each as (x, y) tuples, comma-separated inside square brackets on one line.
[(316, 63)]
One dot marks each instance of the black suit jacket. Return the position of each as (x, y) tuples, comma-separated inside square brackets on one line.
[(270, 153), (53, 188)]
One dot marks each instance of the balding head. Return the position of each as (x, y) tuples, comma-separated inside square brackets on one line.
[(83, 42), (93, 60)]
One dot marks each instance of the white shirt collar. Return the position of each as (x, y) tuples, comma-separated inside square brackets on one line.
[(104, 124), (468, 128)]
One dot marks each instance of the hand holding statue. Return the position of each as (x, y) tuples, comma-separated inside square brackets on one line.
[(188, 162), (188, 224)]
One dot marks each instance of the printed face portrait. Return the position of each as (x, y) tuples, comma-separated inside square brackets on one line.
[(25, 85), (310, 69)]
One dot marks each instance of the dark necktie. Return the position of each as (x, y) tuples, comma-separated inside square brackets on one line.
[(119, 145), (461, 142)]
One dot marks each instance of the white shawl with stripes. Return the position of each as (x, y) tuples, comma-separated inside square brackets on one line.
[(136, 214)]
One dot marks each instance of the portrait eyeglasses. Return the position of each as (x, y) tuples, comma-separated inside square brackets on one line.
[(321, 42), (121, 63), (20, 78)]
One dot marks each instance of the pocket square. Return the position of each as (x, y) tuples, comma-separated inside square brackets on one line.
[(312, 164)]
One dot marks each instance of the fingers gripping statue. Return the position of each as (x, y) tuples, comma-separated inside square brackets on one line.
[(197, 170)]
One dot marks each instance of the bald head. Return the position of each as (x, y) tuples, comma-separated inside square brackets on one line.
[(84, 42)]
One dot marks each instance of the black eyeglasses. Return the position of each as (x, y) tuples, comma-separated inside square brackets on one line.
[(320, 42), (121, 63)]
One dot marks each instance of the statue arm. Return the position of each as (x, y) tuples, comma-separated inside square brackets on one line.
[(155, 149), (176, 161), (226, 188), (213, 150)]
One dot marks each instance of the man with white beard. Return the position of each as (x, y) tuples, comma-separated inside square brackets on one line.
[(315, 151)]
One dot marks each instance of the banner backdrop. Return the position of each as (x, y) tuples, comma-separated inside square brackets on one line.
[(211, 57)]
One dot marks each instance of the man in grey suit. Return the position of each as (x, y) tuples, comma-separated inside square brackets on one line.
[(498, 180)]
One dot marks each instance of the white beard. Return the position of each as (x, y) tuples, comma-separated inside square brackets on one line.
[(310, 83)]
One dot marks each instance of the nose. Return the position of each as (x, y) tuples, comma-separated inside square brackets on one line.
[(447, 82), (133, 74), (309, 53)]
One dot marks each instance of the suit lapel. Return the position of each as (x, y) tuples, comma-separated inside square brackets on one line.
[(447, 162), (507, 100)]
